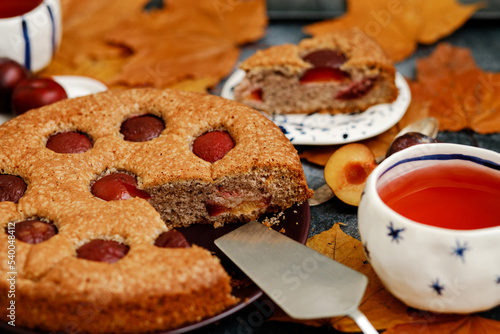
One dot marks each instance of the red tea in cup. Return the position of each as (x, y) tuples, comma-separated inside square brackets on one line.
[(454, 197), (12, 8)]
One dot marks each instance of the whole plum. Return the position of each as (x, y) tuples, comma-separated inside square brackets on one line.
[(11, 74), (34, 93), (407, 140)]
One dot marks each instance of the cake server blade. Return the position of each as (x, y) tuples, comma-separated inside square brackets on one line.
[(303, 282)]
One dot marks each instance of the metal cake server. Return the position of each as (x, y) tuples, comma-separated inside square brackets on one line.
[(303, 282), (428, 126)]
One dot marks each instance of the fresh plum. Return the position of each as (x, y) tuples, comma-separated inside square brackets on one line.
[(407, 140), (346, 171), (34, 93), (11, 74)]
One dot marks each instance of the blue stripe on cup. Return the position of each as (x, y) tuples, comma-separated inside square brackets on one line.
[(53, 29), (479, 161), (27, 46)]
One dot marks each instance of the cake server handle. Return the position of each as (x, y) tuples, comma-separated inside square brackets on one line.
[(321, 195), (362, 321)]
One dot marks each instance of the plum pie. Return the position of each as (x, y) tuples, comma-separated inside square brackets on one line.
[(95, 191)]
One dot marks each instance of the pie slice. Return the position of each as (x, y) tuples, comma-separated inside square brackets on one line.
[(341, 72)]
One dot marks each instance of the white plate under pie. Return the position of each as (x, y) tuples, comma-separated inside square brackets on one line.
[(326, 129), (74, 86)]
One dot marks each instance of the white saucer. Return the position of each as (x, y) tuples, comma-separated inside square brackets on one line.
[(76, 86), (326, 129)]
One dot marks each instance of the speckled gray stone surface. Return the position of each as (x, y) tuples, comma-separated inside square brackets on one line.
[(482, 37)]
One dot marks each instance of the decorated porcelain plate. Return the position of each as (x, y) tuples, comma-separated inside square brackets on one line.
[(326, 129)]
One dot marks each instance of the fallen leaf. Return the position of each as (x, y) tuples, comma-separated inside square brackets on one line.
[(195, 85), (487, 120), (441, 18), (472, 324), (419, 106), (447, 61), (101, 69), (83, 46), (319, 155), (380, 143), (188, 39), (450, 87), (329, 241), (399, 25), (187, 44)]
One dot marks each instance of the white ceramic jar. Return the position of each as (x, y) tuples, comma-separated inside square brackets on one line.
[(32, 38), (427, 267)]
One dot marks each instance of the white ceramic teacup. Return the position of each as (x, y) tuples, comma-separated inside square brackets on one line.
[(33, 37), (427, 267)]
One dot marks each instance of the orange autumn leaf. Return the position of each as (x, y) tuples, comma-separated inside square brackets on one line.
[(458, 325), (419, 106), (319, 155), (83, 47), (187, 44), (447, 61), (337, 245), (380, 143), (399, 25), (441, 18), (450, 87), (187, 39), (487, 120)]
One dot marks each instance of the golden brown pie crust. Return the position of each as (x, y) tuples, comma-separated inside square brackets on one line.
[(151, 288), (284, 63), (359, 49)]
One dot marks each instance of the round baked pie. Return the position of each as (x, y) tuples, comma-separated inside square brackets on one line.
[(94, 194)]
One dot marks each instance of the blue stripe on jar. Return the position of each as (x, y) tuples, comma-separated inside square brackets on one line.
[(52, 21), (27, 46), (479, 161)]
